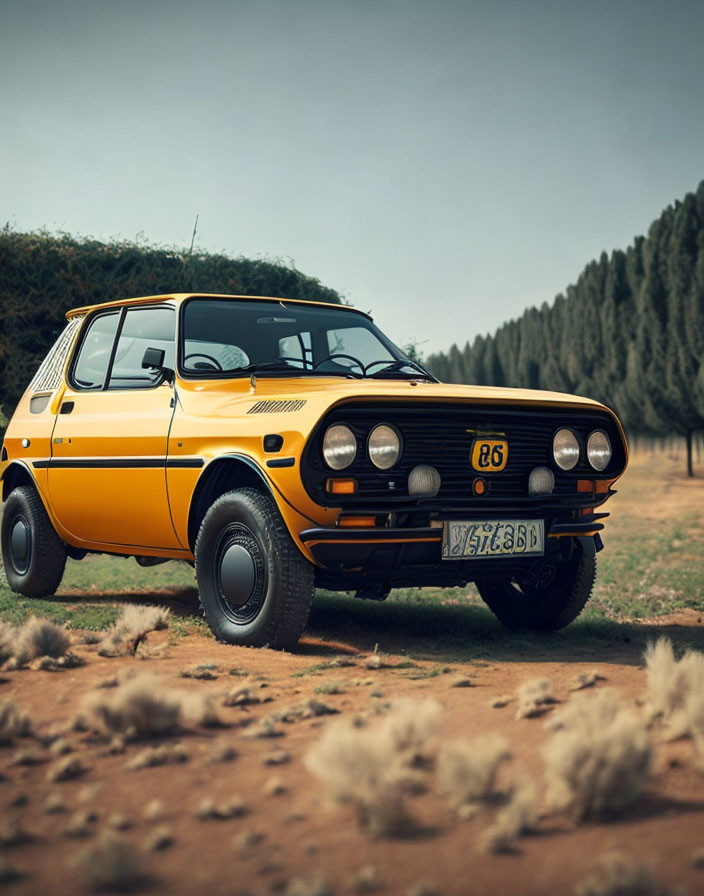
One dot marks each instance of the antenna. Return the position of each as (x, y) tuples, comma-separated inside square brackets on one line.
[(193, 238)]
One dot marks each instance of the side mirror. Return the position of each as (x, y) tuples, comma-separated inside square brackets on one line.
[(154, 360)]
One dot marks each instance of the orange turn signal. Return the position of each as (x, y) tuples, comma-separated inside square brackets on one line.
[(357, 522), (585, 485), (479, 486), (341, 486), (603, 485)]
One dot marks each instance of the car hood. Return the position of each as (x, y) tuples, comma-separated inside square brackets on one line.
[(318, 395)]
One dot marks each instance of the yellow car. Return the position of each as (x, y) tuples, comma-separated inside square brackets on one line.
[(281, 445)]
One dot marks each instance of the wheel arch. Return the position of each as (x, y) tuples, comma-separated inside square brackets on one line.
[(222, 475), (17, 474)]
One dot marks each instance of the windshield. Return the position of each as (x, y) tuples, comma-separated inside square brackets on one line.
[(237, 338)]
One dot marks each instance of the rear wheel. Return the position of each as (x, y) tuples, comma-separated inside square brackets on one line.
[(554, 600), (33, 555), (255, 588)]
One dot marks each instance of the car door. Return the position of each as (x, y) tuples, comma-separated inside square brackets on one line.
[(107, 473)]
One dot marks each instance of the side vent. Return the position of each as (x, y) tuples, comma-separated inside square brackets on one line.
[(276, 407), (3, 456)]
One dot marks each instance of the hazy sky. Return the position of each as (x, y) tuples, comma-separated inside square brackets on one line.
[(443, 164)]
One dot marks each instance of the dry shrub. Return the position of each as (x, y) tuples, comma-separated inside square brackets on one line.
[(534, 698), (8, 637), (66, 769), (39, 638), (131, 628), (142, 707), (599, 758), (13, 722), (199, 709), (621, 877), (202, 671), (517, 817), (313, 886), (675, 691), (161, 755), (467, 769), (112, 864), (369, 768)]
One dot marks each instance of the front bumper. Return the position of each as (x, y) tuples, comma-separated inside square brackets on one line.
[(396, 552)]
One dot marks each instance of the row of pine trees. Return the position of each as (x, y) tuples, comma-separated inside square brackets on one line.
[(629, 333)]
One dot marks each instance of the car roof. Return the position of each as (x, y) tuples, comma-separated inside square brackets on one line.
[(179, 297)]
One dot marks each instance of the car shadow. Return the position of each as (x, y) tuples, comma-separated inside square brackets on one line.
[(427, 630)]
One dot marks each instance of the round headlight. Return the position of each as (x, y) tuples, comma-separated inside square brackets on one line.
[(565, 449), (599, 450), (339, 446), (384, 446)]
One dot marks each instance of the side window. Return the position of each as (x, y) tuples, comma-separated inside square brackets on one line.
[(91, 365), (142, 328)]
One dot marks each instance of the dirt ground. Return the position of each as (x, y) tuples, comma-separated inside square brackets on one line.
[(297, 833)]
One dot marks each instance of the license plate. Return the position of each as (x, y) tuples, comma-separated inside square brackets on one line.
[(475, 539)]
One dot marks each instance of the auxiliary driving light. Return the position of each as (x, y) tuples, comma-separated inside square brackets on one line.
[(424, 481), (541, 481)]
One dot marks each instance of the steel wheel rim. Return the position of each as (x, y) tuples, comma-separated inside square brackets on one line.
[(20, 543), (240, 574)]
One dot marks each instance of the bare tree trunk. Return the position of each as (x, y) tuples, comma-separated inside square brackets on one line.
[(690, 470)]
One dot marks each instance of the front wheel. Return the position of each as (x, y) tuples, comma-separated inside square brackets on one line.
[(255, 588), (554, 600), (33, 555)]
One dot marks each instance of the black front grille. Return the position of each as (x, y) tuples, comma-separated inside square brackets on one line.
[(441, 435)]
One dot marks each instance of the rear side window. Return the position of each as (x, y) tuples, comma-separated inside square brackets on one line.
[(142, 328), (91, 366)]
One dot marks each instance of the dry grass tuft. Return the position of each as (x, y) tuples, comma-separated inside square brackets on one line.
[(66, 769), (586, 680), (112, 864), (9, 873), (132, 627), (54, 803), (201, 671), (313, 886), (13, 723), (599, 758), (519, 816), (366, 880), (161, 755), (8, 637), (369, 768), (142, 707), (534, 698), (199, 709), (40, 638), (160, 838), (467, 770), (675, 691), (221, 751), (621, 877), (13, 834), (153, 811)]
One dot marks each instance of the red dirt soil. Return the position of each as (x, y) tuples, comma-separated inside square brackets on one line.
[(302, 835)]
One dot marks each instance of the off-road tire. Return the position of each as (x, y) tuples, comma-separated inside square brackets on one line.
[(39, 571), (244, 529), (550, 607)]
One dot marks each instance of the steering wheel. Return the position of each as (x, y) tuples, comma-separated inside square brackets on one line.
[(377, 363), (340, 355), (209, 358)]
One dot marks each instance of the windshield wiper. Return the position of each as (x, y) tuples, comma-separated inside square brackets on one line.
[(285, 367), (397, 367)]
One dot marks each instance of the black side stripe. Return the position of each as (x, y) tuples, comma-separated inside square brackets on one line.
[(117, 463)]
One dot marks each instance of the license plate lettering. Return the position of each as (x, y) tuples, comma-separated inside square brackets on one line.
[(470, 539)]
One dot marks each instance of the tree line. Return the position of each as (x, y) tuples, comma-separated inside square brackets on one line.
[(42, 276), (629, 332)]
